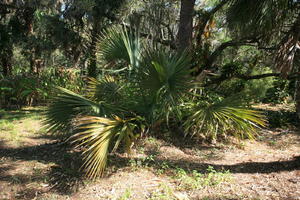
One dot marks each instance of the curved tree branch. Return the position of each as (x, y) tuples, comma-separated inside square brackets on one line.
[(252, 77), (233, 43)]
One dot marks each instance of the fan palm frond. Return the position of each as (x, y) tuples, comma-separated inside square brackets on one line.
[(97, 135), (285, 58), (165, 73), (117, 43), (213, 119), (164, 76), (64, 109), (106, 89)]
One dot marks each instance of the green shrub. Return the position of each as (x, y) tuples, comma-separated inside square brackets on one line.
[(250, 90), (31, 89), (281, 119), (280, 91)]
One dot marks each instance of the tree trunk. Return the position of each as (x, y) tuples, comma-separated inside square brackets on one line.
[(6, 63), (32, 63), (297, 98), (297, 89), (92, 68), (29, 17), (185, 31), (6, 66)]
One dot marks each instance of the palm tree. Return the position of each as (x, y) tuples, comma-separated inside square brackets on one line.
[(151, 88), (111, 108)]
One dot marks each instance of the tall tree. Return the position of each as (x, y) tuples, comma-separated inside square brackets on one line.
[(94, 16), (185, 29), (17, 21)]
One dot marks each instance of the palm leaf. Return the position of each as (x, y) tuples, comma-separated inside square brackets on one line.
[(259, 17), (106, 89), (64, 109), (164, 72), (118, 44), (213, 119), (287, 52), (164, 77), (97, 134)]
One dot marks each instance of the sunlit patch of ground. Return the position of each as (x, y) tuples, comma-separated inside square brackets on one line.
[(36, 166)]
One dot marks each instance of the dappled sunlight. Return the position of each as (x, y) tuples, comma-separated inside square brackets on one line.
[(40, 165), (149, 100)]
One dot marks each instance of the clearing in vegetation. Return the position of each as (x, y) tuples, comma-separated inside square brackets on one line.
[(34, 165)]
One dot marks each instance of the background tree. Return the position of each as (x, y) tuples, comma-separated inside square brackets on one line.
[(274, 26), (93, 16)]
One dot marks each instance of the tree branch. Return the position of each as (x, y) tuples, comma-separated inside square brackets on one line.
[(169, 43), (253, 77), (204, 17), (247, 77), (214, 9), (212, 58), (218, 7)]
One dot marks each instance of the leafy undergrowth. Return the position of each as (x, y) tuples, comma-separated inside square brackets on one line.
[(36, 166)]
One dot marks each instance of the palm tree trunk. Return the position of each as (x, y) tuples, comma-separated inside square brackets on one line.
[(185, 31)]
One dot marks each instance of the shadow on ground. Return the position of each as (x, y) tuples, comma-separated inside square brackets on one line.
[(64, 176), (245, 167), (280, 118)]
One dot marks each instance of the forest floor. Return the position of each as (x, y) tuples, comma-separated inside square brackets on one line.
[(34, 165)]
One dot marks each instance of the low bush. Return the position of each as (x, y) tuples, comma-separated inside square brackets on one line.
[(32, 89)]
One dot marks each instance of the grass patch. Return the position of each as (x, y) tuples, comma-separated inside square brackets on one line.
[(15, 124), (126, 195), (196, 180), (6, 125), (163, 192)]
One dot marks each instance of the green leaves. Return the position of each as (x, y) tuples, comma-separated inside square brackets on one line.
[(118, 44), (258, 17), (164, 73), (223, 117), (65, 108), (117, 108), (107, 89), (165, 77)]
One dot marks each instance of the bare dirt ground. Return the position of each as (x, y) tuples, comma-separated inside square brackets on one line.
[(36, 166)]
